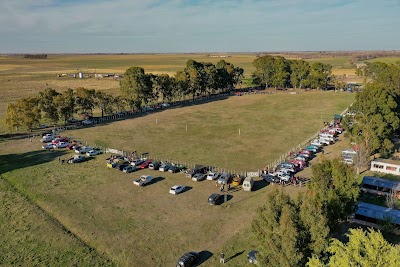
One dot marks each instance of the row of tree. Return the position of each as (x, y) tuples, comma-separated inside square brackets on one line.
[(137, 89), (35, 56), (56, 106), (290, 232), (279, 72), (377, 110), (198, 78)]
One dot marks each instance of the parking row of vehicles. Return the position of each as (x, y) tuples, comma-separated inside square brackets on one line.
[(57, 142), (285, 171)]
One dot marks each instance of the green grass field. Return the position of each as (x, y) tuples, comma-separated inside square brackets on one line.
[(270, 125), (387, 60)]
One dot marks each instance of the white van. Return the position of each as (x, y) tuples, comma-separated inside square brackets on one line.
[(248, 184)]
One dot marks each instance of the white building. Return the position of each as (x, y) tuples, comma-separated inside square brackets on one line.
[(386, 166)]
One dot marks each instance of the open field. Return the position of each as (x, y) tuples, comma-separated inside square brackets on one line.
[(270, 125), (133, 226), (387, 60)]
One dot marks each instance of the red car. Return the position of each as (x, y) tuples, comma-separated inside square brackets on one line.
[(70, 146), (146, 164)]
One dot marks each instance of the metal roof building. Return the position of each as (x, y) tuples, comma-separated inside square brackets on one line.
[(370, 211), (379, 182)]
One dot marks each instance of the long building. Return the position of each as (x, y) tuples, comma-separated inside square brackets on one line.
[(388, 166)]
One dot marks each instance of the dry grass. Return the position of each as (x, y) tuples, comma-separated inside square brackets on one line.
[(134, 226)]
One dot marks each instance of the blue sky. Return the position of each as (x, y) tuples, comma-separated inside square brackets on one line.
[(139, 26)]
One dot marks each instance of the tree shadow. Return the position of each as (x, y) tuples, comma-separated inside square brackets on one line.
[(12, 162), (234, 256), (155, 180), (204, 256)]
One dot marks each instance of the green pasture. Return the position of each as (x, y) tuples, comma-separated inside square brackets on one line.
[(208, 133)]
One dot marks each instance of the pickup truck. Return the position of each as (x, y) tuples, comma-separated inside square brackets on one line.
[(143, 180)]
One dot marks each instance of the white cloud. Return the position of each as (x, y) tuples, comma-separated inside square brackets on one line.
[(154, 25)]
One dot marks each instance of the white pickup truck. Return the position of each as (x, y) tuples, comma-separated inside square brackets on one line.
[(144, 179)]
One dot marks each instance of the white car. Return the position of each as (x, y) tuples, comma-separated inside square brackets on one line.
[(93, 153), (87, 122), (48, 146), (176, 189), (283, 176), (83, 149), (165, 105), (213, 175), (61, 145), (47, 138), (137, 162), (317, 143), (144, 179)]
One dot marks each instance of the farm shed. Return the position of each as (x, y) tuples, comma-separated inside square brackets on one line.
[(380, 186), (370, 213), (386, 166)]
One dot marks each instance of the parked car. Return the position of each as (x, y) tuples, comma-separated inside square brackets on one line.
[(137, 162), (252, 257), (93, 152), (76, 159), (174, 169), (72, 120), (155, 165), (47, 133), (121, 167), (198, 177), (270, 178), (83, 149), (165, 105), (200, 169), (237, 180), (283, 176), (317, 143), (214, 199), (225, 178), (48, 146), (61, 145), (164, 167), (145, 164), (188, 260), (129, 169), (47, 138), (213, 175), (176, 189), (143, 180)]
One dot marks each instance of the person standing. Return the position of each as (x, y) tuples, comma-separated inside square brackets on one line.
[(222, 258)]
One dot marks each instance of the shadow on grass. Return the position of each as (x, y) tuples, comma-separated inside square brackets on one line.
[(155, 180), (187, 188), (234, 256), (12, 162), (204, 256), (260, 184), (222, 201)]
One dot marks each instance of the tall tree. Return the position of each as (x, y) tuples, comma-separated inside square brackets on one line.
[(48, 105), (104, 101), (30, 112), (320, 75), (85, 100), (136, 87), (13, 117), (300, 70), (289, 232), (281, 72), (264, 70), (365, 248), (376, 117), (65, 103), (334, 187), (196, 77)]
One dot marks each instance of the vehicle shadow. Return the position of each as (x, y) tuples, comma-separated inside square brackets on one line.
[(187, 188), (204, 256), (155, 180), (260, 184), (12, 162), (234, 256)]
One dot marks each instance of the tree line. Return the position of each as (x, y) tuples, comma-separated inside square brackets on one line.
[(35, 56), (279, 72), (136, 89), (196, 79), (299, 232), (376, 109)]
